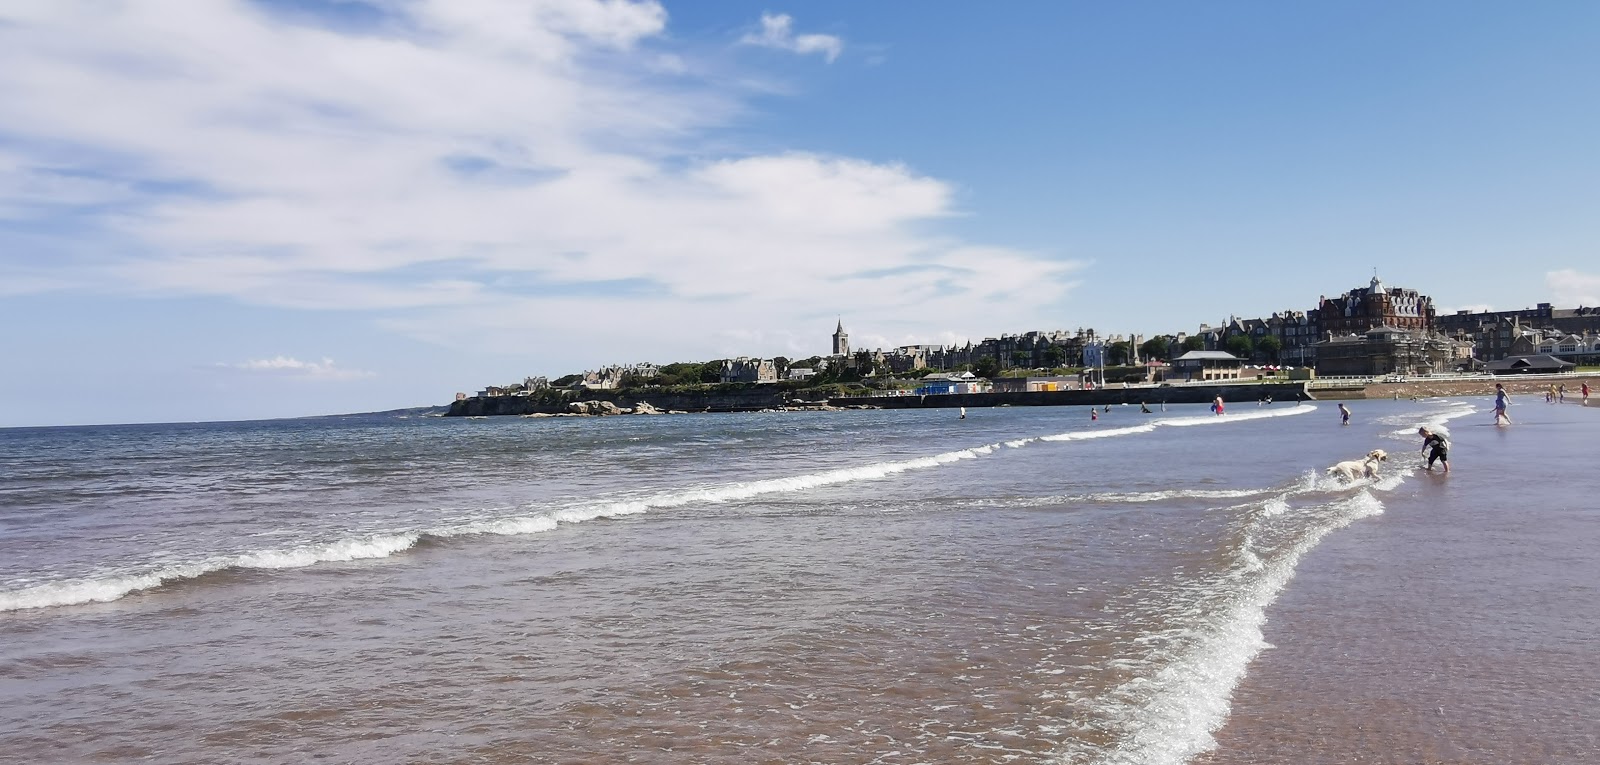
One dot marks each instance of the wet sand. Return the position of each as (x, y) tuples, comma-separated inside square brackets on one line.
[(1457, 627)]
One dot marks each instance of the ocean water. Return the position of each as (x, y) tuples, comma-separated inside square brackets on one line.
[(1023, 585)]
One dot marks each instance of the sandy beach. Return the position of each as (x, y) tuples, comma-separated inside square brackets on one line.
[(1457, 627), (1424, 388)]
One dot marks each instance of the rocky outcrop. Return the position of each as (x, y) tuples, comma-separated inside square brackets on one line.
[(596, 407)]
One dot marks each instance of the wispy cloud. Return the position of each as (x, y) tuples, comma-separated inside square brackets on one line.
[(1569, 287), (453, 170), (286, 366), (777, 31)]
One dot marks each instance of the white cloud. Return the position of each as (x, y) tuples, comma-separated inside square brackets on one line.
[(777, 31), (1471, 308), (483, 172), (1570, 288), (291, 367)]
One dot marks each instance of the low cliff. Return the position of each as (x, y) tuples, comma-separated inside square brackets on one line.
[(737, 400)]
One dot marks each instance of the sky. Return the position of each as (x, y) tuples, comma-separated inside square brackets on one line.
[(239, 209)]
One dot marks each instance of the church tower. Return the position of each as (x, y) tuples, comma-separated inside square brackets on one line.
[(841, 341)]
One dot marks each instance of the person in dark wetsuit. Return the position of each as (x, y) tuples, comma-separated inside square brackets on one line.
[(1437, 448)]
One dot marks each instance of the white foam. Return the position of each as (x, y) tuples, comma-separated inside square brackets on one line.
[(1169, 717), (113, 585)]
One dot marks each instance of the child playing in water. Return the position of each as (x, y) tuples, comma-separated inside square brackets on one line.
[(1344, 414)]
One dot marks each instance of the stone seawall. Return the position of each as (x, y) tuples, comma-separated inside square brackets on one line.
[(1174, 394)]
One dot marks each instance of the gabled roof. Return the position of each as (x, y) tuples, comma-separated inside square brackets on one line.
[(1519, 363), (1207, 356)]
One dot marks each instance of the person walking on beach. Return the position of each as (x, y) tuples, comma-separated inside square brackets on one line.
[(1501, 401), (1550, 394), (1561, 393), (1344, 414), (1585, 391), (1437, 448), (1216, 406)]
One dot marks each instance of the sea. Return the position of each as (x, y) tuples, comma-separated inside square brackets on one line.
[(1022, 585)]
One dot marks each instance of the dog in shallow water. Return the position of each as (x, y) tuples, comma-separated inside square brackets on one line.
[(1366, 467)]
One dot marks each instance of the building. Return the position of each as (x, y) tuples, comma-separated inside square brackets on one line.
[(1207, 365), (1366, 308), (1389, 350), (1494, 332), (841, 341), (748, 370), (1528, 365)]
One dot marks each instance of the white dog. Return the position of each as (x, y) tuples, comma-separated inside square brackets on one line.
[(1367, 467)]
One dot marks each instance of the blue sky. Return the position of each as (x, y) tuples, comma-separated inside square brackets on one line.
[(236, 209)]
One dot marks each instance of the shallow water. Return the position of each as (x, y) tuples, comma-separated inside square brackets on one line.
[(1023, 585)]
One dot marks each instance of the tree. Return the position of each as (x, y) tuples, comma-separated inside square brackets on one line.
[(1054, 356), (1118, 353), (1154, 349), (1240, 345), (781, 364), (986, 367), (1194, 343), (711, 371), (1271, 346), (1021, 359)]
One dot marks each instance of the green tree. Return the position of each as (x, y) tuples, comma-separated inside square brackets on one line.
[(1117, 353), (1271, 346), (711, 371), (1021, 359), (1154, 349), (1240, 345), (1194, 343), (1054, 356), (986, 367)]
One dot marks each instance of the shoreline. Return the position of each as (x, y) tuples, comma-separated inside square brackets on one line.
[(1454, 627)]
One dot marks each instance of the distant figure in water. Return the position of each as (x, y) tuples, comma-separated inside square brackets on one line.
[(1585, 391), (1501, 401), (963, 414), (1437, 448), (1344, 414), (1108, 409), (1143, 409), (1216, 406), (1093, 414)]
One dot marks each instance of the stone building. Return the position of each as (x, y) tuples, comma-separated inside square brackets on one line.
[(745, 369), (1389, 350), (1494, 332), (1367, 308), (841, 341), (1207, 365)]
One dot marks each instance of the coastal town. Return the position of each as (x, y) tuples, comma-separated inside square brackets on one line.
[(1366, 334)]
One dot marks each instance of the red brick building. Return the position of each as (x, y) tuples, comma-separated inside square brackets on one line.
[(1367, 308)]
